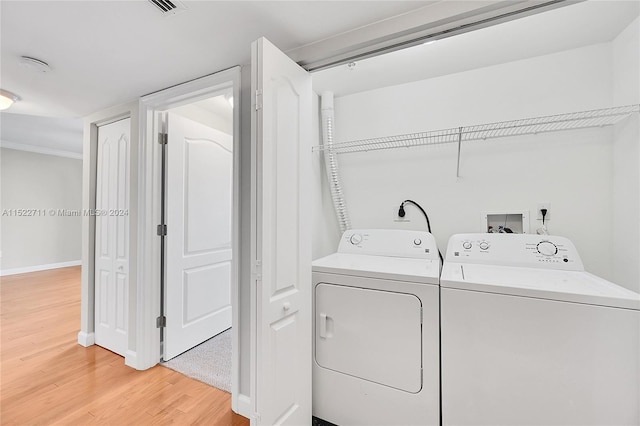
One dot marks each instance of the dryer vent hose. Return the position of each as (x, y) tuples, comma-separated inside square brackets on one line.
[(331, 162)]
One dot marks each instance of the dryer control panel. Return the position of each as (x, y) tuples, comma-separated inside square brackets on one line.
[(534, 251), (389, 242)]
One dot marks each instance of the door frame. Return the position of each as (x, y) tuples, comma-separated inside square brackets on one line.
[(86, 335), (149, 187)]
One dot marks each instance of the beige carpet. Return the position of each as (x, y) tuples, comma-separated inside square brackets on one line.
[(209, 362)]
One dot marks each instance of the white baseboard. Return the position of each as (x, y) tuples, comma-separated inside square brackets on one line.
[(131, 359), (242, 405), (36, 268), (86, 339)]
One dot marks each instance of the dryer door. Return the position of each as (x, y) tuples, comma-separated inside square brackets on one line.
[(370, 334)]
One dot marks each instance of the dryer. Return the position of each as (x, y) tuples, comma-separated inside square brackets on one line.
[(376, 321), (530, 338)]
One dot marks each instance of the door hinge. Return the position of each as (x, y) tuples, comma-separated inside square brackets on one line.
[(258, 100), (161, 322), (162, 230), (163, 138)]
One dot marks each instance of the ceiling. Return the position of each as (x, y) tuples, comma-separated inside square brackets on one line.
[(569, 27), (47, 135), (104, 53)]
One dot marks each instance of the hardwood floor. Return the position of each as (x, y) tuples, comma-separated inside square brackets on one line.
[(47, 378)]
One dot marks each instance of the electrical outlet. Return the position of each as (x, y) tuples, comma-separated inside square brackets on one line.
[(397, 218), (541, 206)]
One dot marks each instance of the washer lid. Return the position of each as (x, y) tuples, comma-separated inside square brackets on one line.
[(568, 286), (425, 271)]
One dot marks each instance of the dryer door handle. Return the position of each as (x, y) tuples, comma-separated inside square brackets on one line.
[(323, 326)]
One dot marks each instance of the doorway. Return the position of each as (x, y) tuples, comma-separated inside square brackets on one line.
[(202, 251), (198, 188)]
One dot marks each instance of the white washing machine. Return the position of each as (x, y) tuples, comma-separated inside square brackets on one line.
[(530, 338), (376, 339)]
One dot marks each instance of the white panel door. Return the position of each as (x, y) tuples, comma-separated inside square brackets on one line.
[(112, 237), (198, 241), (281, 154)]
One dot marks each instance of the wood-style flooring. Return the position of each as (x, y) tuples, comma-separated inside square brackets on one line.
[(47, 378)]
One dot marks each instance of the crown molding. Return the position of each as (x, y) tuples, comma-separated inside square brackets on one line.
[(40, 150)]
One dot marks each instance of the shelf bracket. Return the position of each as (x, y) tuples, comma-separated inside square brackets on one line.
[(459, 147)]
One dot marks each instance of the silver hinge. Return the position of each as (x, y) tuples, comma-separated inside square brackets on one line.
[(162, 230), (258, 100), (421, 314), (161, 322), (163, 138)]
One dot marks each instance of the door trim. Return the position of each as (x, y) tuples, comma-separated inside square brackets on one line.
[(148, 296), (86, 335)]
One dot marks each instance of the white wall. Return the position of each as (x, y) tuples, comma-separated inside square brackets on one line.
[(201, 115), (44, 182), (326, 231), (572, 170), (626, 160)]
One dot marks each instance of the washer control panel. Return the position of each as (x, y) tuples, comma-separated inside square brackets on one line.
[(388, 242), (546, 251)]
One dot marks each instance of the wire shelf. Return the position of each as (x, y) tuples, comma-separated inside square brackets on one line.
[(528, 126)]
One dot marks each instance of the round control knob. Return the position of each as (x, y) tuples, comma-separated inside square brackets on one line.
[(417, 241), (484, 245), (467, 245), (547, 248), (355, 239)]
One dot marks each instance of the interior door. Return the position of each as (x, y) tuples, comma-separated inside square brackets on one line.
[(112, 237), (198, 241), (281, 243)]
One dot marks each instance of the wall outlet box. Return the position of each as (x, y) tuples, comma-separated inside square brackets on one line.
[(541, 206), (516, 220), (397, 218)]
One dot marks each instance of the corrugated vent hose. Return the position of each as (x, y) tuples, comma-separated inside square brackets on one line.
[(331, 162)]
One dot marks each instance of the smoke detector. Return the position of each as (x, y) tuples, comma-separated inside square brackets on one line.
[(34, 64), (168, 7)]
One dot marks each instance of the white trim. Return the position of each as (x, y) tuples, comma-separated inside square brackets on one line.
[(41, 150), (433, 22), (131, 359), (148, 294), (242, 406), (86, 339), (36, 268)]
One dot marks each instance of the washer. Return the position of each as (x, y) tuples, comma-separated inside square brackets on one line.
[(376, 321), (529, 337)]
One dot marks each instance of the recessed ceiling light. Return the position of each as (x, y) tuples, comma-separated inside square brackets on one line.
[(34, 64), (7, 99)]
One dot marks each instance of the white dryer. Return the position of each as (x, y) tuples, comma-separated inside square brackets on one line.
[(530, 338), (376, 319)]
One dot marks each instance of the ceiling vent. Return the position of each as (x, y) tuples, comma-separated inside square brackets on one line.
[(168, 7), (34, 64)]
